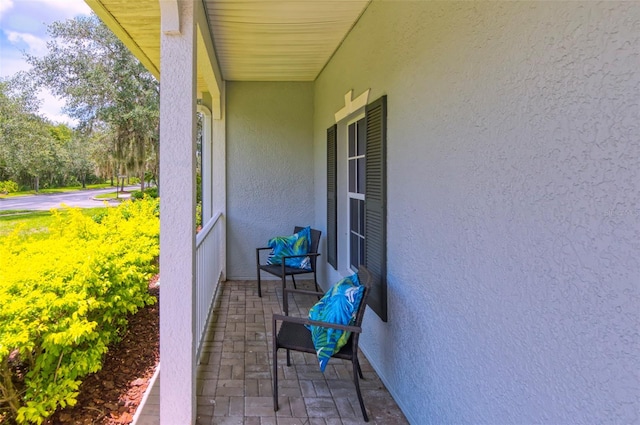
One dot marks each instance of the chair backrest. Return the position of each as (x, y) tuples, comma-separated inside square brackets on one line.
[(315, 242), (366, 279)]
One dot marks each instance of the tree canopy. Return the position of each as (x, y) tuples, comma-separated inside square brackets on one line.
[(113, 97), (31, 148)]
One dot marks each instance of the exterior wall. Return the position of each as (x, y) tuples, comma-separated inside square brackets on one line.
[(269, 167), (514, 206)]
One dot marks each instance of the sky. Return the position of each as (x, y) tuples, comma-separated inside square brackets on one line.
[(23, 28)]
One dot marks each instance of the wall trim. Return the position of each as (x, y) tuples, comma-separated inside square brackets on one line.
[(351, 105), (169, 17)]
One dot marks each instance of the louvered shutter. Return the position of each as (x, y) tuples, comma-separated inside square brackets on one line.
[(376, 204), (332, 205)]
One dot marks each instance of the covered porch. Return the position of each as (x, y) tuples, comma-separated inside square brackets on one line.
[(234, 383), (504, 207)]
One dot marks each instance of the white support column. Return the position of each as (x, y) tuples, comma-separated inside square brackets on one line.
[(177, 221), (207, 163)]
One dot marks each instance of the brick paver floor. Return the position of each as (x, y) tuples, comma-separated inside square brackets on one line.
[(234, 376)]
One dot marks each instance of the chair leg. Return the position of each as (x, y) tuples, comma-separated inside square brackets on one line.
[(288, 358), (293, 278), (356, 372), (275, 376), (258, 272), (315, 281), (359, 370)]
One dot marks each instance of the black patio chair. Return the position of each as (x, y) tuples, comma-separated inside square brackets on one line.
[(293, 335), (283, 271)]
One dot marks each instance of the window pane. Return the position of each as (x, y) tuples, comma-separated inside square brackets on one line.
[(361, 175), (362, 138), (352, 175), (354, 248), (352, 139), (361, 251), (353, 212), (361, 217)]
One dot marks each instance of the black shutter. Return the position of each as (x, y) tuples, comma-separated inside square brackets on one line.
[(376, 204), (332, 197)]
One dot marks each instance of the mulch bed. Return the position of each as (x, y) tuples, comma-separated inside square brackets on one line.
[(112, 395)]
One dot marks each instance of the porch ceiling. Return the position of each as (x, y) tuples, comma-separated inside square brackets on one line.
[(260, 40)]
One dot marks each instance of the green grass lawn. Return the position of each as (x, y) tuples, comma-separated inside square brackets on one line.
[(110, 195), (34, 221), (58, 190)]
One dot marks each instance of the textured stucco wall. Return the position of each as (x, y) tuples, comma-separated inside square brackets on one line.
[(269, 167), (514, 206)]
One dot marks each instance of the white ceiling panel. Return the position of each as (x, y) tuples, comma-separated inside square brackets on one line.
[(268, 40), (254, 40)]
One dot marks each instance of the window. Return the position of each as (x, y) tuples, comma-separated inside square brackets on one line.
[(365, 190), (332, 204), (356, 160)]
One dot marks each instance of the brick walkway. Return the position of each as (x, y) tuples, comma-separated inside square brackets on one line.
[(234, 378)]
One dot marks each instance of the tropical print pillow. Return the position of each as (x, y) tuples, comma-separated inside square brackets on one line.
[(340, 306), (296, 244)]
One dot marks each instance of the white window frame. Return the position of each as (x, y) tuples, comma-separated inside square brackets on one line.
[(351, 195)]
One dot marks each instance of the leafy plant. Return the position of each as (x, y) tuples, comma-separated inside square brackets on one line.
[(150, 192), (8, 186), (65, 298)]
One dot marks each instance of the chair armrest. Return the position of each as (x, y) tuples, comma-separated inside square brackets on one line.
[(307, 321), (258, 254), (303, 291), (310, 254), (285, 297)]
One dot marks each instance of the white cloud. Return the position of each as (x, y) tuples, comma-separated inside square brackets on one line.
[(23, 28), (51, 108), (73, 8), (11, 66), (36, 46), (5, 5)]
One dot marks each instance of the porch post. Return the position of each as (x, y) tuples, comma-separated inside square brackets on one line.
[(206, 164), (177, 218)]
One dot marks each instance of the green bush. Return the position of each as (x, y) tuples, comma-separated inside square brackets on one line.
[(64, 299), (198, 214), (150, 192), (8, 186)]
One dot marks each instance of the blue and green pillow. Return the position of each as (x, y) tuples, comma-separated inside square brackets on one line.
[(340, 306), (296, 244)]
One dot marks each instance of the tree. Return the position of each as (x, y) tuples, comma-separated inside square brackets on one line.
[(79, 152), (106, 89), (27, 147)]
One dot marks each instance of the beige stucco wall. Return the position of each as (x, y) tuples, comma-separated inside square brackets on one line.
[(269, 167), (514, 206)]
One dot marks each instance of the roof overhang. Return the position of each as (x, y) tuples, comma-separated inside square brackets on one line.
[(268, 40)]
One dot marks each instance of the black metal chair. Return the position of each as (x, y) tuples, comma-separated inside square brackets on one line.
[(293, 335), (283, 271)]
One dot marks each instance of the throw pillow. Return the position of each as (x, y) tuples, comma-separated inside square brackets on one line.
[(339, 305), (296, 244)]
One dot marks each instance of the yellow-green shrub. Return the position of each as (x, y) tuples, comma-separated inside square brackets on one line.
[(64, 299), (8, 186)]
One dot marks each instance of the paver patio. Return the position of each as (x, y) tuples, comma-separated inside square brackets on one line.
[(234, 376)]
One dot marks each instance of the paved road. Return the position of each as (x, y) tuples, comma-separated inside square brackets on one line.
[(82, 199)]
